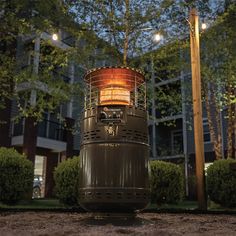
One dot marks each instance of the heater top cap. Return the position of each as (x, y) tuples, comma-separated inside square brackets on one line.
[(113, 67), (125, 76)]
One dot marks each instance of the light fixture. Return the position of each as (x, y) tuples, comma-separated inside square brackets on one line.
[(55, 37), (204, 26), (157, 37)]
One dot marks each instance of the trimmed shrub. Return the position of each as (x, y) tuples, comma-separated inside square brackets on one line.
[(221, 183), (16, 176), (66, 177), (167, 182)]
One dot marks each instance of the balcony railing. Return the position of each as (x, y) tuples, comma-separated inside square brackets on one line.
[(46, 129)]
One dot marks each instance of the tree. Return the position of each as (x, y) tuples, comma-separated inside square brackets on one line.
[(24, 21), (121, 27), (32, 68), (129, 25), (219, 79)]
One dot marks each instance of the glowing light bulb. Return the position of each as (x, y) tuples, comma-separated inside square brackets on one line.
[(204, 26), (55, 37), (157, 37)]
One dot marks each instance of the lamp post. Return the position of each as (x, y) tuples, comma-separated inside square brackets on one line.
[(197, 109)]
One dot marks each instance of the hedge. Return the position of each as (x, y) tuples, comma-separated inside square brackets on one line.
[(66, 177), (221, 183), (166, 182), (16, 176)]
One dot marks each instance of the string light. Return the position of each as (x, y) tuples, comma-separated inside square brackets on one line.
[(204, 26), (55, 37), (157, 37)]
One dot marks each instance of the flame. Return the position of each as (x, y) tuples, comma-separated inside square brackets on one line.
[(114, 95)]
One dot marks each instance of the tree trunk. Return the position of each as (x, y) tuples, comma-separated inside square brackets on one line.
[(230, 125), (235, 131), (217, 116), (212, 129), (230, 133), (126, 40)]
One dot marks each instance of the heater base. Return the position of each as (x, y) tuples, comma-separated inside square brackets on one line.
[(126, 200), (111, 215)]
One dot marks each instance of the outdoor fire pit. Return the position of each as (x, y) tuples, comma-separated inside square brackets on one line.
[(114, 148)]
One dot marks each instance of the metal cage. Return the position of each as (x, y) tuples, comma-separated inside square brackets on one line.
[(115, 86)]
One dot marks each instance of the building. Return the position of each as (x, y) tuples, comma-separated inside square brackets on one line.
[(56, 137)]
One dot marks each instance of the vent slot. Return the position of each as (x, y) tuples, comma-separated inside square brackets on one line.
[(91, 135), (134, 135)]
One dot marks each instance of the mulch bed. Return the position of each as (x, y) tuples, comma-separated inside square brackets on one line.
[(52, 223)]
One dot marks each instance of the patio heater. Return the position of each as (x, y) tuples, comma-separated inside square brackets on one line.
[(114, 146)]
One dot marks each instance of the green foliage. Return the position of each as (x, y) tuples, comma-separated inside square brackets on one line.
[(7, 67), (66, 177), (165, 102), (221, 183), (218, 57), (16, 176), (17, 19), (50, 84), (129, 26), (167, 182), (218, 68)]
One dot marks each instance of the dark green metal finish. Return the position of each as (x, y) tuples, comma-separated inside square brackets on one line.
[(114, 159)]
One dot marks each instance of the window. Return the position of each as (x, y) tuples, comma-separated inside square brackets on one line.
[(176, 142), (206, 131)]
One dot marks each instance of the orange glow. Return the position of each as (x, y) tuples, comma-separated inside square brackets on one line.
[(114, 95), (114, 85)]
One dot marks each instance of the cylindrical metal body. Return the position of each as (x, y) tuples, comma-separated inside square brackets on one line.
[(114, 148)]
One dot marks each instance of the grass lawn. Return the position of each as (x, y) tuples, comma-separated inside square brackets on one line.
[(55, 204), (212, 206), (187, 205), (35, 204), (51, 204)]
